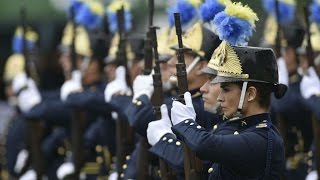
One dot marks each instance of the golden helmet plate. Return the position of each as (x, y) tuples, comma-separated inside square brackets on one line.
[(226, 62)]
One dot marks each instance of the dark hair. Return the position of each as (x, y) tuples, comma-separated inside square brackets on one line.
[(264, 91)]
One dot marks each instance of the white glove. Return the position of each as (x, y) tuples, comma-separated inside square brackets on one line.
[(113, 176), (118, 85), (313, 175), (29, 97), (71, 86), (283, 72), (143, 84), (310, 84), (19, 82), (181, 112), (29, 175), (21, 160), (156, 129), (65, 169)]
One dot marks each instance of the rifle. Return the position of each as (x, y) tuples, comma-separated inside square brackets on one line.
[(309, 49), (166, 172), (78, 116), (144, 154), (124, 133), (315, 122), (33, 125), (192, 165), (278, 36)]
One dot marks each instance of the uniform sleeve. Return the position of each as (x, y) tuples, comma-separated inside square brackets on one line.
[(313, 104), (241, 151), (54, 112), (170, 149), (140, 113), (91, 101)]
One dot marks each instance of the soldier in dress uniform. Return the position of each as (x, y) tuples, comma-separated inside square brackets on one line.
[(255, 150), (290, 114), (310, 84)]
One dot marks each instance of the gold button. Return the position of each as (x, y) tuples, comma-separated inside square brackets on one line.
[(310, 162), (124, 166), (139, 103), (310, 153), (127, 157), (99, 159), (134, 101), (61, 151), (122, 175), (99, 148), (164, 138), (178, 143), (215, 126), (210, 170), (170, 140), (236, 133), (191, 124), (186, 121), (198, 127)]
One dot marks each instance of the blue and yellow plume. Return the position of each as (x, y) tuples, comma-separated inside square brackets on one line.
[(235, 24), (287, 9), (112, 15), (210, 8), (90, 14), (187, 9), (315, 12), (31, 38)]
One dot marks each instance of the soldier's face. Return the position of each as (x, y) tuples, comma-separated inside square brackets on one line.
[(229, 98), (174, 60), (291, 60), (110, 71), (65, 63), (210, 93)]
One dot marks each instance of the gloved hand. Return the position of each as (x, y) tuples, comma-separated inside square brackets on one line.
[(29, 175), (19, 82), (181, 112), (156, 129), (118, 85), (71, 86), (65, 169), (28, 94), (283, 72), (143, 84), (113, 176), (310, 84), (21, 161)]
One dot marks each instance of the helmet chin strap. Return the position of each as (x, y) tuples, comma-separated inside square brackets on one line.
[(238, 114), (174, 80)]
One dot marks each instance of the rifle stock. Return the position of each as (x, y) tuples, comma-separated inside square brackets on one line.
[(192, 165)]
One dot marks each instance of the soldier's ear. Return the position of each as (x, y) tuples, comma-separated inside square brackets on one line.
[(252, 93)]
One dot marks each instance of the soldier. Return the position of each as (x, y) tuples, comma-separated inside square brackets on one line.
[(285, 33), (245, 98)]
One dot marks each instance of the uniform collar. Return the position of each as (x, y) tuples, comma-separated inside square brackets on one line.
[(258, 120)]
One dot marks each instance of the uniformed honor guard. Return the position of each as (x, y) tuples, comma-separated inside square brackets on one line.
[(246, 89)]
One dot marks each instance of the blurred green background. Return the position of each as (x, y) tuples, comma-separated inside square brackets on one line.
[(48, 17)]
